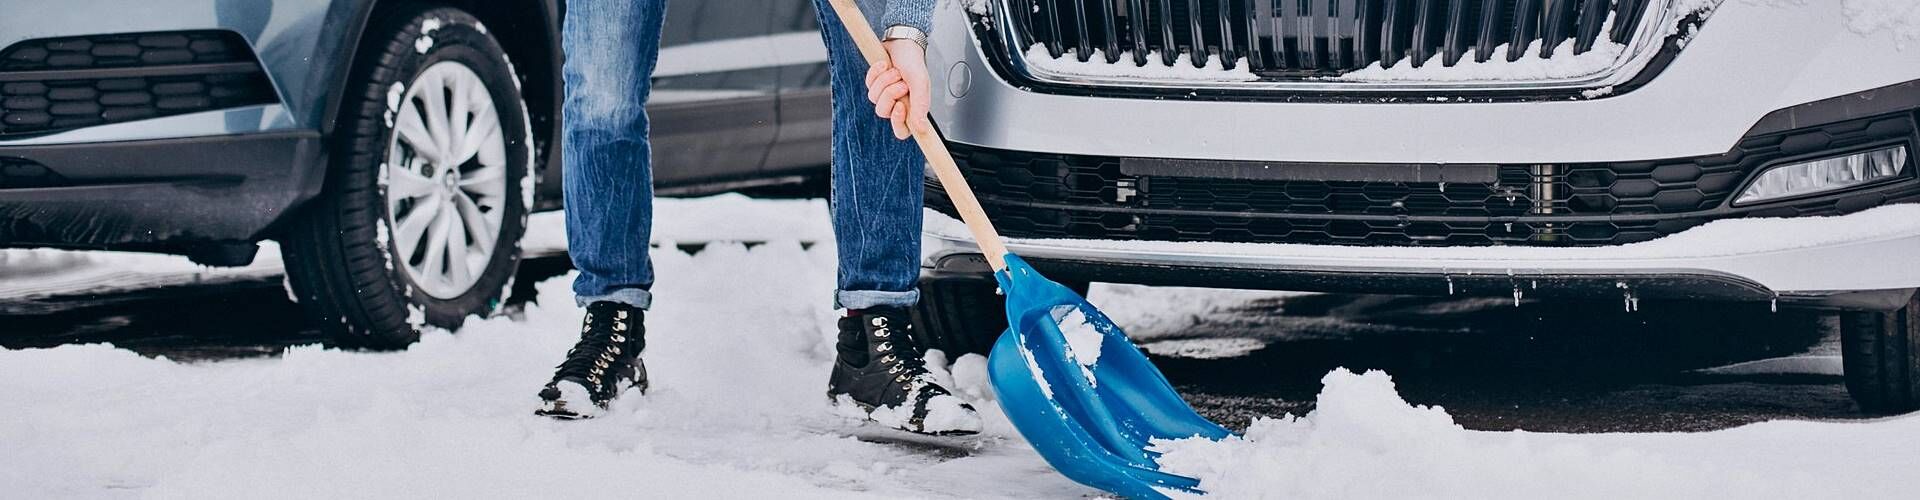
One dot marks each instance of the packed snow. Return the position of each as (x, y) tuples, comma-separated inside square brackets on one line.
[(38, 273), (1822, 359), (1363, 441), (740, 344), (1899, 17), (1204, 348), (1083, 338), (738, 409)]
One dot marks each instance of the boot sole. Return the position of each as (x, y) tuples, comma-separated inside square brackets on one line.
[(866, 412)]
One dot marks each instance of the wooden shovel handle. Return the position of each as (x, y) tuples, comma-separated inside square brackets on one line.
[(930, 144)]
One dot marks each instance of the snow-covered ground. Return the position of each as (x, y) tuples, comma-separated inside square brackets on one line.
[(38, 273), (739, 349)]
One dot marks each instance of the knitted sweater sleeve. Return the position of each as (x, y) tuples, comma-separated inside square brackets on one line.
[(915, 13)]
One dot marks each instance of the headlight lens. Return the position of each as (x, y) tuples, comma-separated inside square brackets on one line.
[(1825, 175)]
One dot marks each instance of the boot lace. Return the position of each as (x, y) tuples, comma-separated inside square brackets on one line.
[(898, 350), (603, 343)]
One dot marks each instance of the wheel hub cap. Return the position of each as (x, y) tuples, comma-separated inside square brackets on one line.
[(445, 180)]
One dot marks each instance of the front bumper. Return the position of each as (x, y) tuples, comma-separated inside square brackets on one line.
[(1858, 261), (1747, 61), (167, 194)]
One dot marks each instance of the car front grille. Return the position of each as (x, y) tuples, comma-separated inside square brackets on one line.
[(1038, 195), (1309, 40), (55, 84)]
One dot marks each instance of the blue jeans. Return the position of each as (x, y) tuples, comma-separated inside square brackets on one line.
[(611, 48)]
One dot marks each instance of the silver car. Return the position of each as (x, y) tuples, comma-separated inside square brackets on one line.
[(1632, 149)]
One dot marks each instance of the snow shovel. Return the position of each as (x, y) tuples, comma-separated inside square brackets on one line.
[(1068, 379)]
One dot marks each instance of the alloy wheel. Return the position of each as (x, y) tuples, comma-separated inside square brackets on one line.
[(445, 179)]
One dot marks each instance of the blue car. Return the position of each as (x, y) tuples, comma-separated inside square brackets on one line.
[(393, 148)]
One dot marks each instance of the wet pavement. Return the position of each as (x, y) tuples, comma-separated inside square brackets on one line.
[(1541, 366)]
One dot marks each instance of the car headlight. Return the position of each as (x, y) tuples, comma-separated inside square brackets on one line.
[(1825, 175)]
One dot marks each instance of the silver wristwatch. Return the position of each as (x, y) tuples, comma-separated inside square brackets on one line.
[(904, 32)]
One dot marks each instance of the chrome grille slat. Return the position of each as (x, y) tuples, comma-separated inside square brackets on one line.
[(1339, 44), (1197, 42), (1280, 19), (1393, 41), (1137, 30), (1309, 54), (1054, 45), (1593, 14), (1526, 28), (1491, 16), (1169, 50), (1627, 15), (1366, 11), (1223, 15), (1257, 10), (1425, 30), (1460, 19), (1555, 26), (1084, 50), (1109, 33)]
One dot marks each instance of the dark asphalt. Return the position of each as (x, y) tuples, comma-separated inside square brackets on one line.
[(1541, 366)]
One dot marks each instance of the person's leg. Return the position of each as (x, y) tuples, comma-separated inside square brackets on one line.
[(876, 187), (880, 370), (611, 47)]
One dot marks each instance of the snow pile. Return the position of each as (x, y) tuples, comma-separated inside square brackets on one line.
[(43, 272), (1083, 339), (1822, 359), (978, 7), (1154, 312), (1900, 17), (1204, 348), (1097, 66), (1363, 441), (1828, 364), (739, 350)]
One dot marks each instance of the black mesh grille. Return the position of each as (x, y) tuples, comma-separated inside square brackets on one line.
[(55, 84), (1072, 196), (1311, 38)]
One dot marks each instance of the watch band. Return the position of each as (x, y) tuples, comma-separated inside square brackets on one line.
[(904, 32)]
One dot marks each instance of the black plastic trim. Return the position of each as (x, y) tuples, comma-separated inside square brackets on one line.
[(1046, 195), (130, 72), (1876, 101), (158, 195)]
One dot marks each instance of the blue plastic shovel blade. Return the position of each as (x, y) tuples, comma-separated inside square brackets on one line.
[(1091, 417)]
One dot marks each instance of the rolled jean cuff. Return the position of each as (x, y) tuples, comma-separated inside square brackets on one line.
[(635, 297), (867, 299)]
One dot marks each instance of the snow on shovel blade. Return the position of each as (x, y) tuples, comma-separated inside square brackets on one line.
[(1082, 394)]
